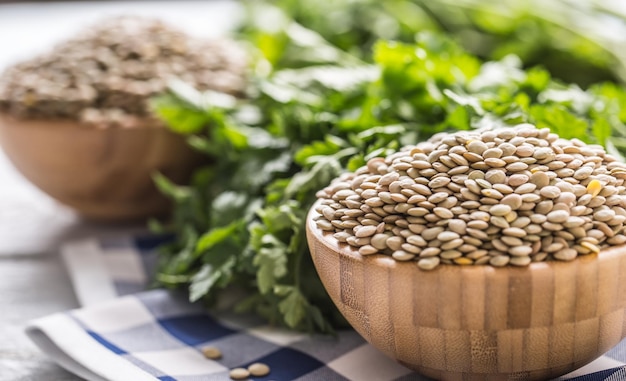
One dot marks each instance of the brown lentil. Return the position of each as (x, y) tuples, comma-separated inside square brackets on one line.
[(212, 353), (558, 216), (500, 210), (498, 197), (239, 373), (107, 75), (520, 261), (400, 255), (259, 369), (525, 188)]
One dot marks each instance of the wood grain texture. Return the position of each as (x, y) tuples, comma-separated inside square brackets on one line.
[(105, 174), (478, 323)]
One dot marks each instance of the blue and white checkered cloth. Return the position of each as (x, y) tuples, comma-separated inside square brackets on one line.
[(127, 334)]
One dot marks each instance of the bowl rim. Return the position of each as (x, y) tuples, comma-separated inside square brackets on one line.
[(8, 120), (386, 261)]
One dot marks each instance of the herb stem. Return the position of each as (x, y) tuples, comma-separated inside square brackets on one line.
[(172, 279)]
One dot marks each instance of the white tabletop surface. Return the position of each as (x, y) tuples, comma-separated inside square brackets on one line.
[(33, 281)]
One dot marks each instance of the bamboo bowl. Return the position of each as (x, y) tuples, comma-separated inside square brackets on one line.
[(478, 322), (105, 174)]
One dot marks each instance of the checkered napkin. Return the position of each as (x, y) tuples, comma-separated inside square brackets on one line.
[(124, 333)]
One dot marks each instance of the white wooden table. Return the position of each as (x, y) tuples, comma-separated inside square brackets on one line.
[(33, 281)]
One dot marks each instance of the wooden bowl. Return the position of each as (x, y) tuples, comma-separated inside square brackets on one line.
[(478, 322), (103, 173)]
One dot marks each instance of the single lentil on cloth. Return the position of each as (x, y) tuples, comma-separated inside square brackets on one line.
[(507, 196), (239, 374), (105, 76), (259, 369), (212, 353)]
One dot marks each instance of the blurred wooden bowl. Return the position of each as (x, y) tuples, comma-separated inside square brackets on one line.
[(478, 322), (103, 173)]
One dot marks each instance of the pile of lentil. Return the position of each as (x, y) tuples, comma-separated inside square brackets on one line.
[(507, 196), (106, 76)]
